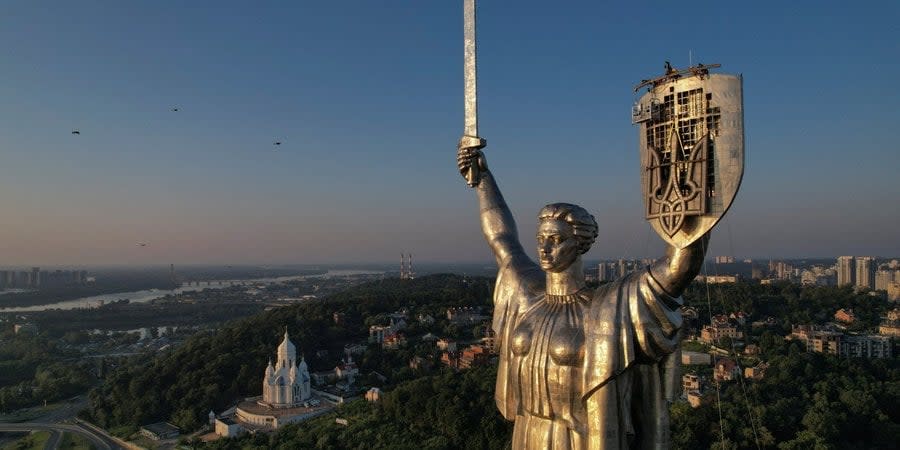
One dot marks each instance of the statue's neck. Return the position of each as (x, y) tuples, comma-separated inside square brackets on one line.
[(568, 281)]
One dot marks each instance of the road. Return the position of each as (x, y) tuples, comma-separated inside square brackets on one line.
[(54, 440), (56, 430), (62, 420)]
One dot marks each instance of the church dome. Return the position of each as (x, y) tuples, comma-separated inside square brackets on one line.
[(287, 352)]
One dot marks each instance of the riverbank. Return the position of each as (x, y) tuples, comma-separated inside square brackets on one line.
[(135, 292)]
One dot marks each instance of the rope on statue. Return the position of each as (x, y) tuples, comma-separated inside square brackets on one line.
[(733, 351), (709, 311)]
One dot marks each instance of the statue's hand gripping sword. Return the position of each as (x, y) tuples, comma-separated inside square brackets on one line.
[(471, 90)]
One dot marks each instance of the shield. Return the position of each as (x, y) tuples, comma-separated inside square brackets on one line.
[(691, 137)]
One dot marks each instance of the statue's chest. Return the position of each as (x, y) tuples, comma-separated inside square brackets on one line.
[(550, 333), (547, 353)]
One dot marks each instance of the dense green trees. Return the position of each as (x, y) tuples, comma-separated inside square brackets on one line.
[(445, 411), (212, 370), (805, 400), (34, 370)]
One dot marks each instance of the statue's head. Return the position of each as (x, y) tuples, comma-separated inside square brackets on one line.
[(565, 232)]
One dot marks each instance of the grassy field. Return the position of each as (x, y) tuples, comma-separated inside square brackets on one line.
[(76, 442), (34, 441)]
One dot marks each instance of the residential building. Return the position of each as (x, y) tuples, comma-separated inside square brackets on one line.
[(373, 395), (893, 291), (845, 270), (890, 326), (714, 279), (756, 372), (883, 278), (465, 314), (393, 341), (865, 272), (726, 370), (690, 382), (824, 339), (354, 349), (845, 315), (866, 346), (689, 358), (489, 340), (474, 355), (712, 334), (450, 359), (446, 344)]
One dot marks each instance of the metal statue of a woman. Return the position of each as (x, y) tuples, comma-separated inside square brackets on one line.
[(579, 367), (597, 368)]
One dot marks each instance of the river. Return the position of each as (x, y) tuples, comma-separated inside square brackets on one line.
[(152, 294)]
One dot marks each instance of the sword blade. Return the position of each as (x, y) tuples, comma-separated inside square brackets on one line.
[(471, 91)]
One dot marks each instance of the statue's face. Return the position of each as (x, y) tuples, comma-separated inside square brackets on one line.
[(557, 246)]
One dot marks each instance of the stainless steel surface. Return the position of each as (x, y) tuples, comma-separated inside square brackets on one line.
[(579, 367), (691, 142), (471, 89)]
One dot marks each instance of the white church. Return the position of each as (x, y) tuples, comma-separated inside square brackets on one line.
[(287, 397), (287, 383)]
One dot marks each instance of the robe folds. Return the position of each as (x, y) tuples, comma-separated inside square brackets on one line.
[(596, 372)]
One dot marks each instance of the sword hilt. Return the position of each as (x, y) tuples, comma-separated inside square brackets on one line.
[(473, 177), (473, 174)]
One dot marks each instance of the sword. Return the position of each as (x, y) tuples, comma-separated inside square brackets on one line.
[(471, 90)]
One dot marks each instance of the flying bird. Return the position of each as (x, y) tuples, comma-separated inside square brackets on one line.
[(175, 109), (76, 132), (277, 143), (142, 244)]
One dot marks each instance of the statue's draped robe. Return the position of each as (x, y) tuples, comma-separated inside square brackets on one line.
[(613, 394)]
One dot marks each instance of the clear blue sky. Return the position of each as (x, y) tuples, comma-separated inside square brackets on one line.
[(366, 97)]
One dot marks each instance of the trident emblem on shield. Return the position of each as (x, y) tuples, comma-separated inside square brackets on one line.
[(692, 150)]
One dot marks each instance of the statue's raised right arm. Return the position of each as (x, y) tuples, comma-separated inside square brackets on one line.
[(497, 221), (675, 271)]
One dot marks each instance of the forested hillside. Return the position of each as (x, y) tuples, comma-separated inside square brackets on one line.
[(210, 372)]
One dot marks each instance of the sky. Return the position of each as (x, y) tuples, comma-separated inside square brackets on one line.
[(367, 100)]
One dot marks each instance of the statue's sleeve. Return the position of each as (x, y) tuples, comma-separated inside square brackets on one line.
[(510, 298), (630, 321)]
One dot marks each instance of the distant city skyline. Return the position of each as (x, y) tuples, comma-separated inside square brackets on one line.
[(365, 99)]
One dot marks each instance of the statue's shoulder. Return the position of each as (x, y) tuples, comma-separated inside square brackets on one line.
[(614, 288), (521, 275)]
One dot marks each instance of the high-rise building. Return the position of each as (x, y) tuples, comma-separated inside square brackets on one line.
[(845, 270), (10, 278), (36, 277), (24, 280), (621, 269), (865, 272), (603, 272), (883, 278), (756, 272)]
